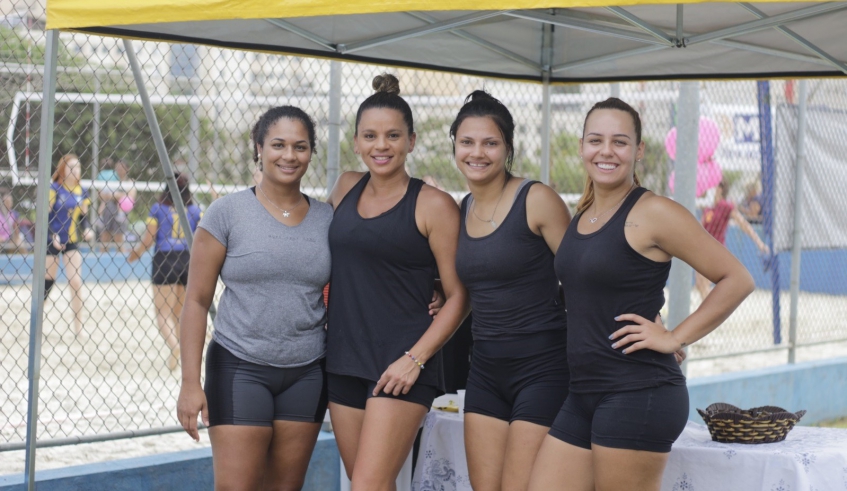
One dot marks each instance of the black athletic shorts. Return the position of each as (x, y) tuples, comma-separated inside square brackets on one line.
[(52, 251), (239, 392), (524, 379), (355, 392), (170, 268), (647, 419)]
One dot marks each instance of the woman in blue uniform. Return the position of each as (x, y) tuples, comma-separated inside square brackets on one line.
[(628, 400), (510, 230), (390, 236), (67, 227), (170, 262)]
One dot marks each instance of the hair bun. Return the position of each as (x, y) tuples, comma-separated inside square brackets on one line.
[(479, 95), (387, 83)]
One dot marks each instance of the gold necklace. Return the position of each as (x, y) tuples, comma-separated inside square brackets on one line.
[(285, 213), (491, 220), (593, 220)]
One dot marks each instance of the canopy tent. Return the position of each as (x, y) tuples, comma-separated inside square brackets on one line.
[(540, 41), (565, 40)]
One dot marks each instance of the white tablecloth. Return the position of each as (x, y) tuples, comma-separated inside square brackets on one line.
[(810, 459)]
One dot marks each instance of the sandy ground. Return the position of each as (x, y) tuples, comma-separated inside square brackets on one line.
[(114, 377)]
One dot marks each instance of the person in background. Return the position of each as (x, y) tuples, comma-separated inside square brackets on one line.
[(390, 237), (11, 238), (265, 391), (117, 198), (628, 400), (751, 207), (716, 220), (67, 227), (170, 261)]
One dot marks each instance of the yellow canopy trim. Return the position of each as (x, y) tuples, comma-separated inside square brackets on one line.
[(69, 14)]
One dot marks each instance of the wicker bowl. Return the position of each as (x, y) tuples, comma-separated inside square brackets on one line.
[(766, 424)]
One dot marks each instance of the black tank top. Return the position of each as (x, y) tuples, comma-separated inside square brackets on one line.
[(383, 275), (509, 276), (603, 277)]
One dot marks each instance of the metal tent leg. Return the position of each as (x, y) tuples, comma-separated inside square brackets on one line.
[(39, 269), (159, 141)]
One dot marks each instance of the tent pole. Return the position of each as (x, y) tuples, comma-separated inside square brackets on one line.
[(685, 186), (615, 90), (156, 132), (333, 151), (161, 149), (797, 238), (546, 60), (39, 267)]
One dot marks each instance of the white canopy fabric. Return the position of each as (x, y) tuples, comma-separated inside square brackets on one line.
[(564, 41)]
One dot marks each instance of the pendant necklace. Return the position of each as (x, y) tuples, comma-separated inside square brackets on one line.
[(285, 213), (491, 220), (593, 220)]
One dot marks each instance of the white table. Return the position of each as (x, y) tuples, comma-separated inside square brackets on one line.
[(810, 459)]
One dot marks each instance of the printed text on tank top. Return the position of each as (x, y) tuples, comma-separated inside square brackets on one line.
[(485, 227)]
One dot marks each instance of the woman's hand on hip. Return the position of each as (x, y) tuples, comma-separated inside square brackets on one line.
[(399, 377), (644, 334)]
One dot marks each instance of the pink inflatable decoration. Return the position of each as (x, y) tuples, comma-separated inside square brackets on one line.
[(126, 203), (709, 172)]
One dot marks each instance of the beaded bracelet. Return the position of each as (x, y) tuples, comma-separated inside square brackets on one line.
[(415, 360)]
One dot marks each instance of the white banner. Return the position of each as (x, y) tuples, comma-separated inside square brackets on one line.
[(824, 215)]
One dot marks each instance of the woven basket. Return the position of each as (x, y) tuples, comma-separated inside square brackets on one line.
[(766, 424)]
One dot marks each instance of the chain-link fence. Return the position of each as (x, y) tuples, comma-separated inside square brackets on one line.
[(109, 363)]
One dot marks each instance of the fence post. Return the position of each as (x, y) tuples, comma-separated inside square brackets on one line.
[(39, 268), (615, 90), (546, 62), (333, 151), (685, 187), (797, 236), (763, 92)]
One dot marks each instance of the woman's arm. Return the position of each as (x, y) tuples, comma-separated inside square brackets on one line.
[(677, 233), (441, 227), (147, 240), (343, 185), (207, 258), (745, 227), (547, 215)]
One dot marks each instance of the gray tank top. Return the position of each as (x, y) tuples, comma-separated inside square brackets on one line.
[(271, 311)]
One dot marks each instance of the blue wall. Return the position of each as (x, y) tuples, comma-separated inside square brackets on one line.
[(16, 269), (821, 271), (819, 387), (187, 471)]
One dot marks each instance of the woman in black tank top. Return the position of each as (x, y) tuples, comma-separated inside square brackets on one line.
[(390, 237), (627, 401), (509, 231)]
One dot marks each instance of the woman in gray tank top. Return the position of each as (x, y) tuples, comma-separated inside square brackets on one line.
[(265, 394), (510, 230)]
